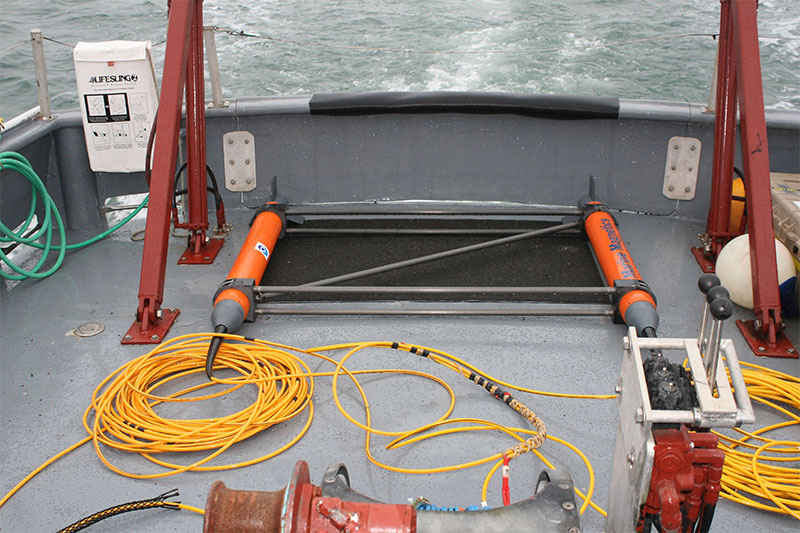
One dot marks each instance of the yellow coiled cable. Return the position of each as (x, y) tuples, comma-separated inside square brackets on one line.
[(750, 476), (121, 415)]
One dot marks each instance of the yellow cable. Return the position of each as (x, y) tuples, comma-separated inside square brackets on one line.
[(190, 508), (749, 476), (121, 414)]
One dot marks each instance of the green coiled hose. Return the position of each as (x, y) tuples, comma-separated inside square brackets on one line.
[(18, 163)]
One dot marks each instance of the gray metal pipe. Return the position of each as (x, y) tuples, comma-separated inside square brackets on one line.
[(383, 289), (433, 257), (41, 74), (346, 210), (213, 67), (461, 310), (409, 231)]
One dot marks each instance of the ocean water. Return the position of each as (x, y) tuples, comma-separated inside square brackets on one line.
[(533, 46)]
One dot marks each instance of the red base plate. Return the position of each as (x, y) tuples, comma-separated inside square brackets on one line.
[(157, 331), (206, 256), (706, 263), (783, 346)]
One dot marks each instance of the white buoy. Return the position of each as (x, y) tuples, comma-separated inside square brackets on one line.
[(733, 268)]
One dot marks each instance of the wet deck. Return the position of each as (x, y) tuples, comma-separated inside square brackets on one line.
[(47, 376)]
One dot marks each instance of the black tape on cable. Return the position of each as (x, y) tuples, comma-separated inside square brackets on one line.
[(532, 105)]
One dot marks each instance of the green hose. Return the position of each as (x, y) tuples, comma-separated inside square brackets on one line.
[(18, 163)]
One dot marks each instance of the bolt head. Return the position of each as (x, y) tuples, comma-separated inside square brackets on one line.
[(246, 161), (674, 167), (568, 506), (127, 338), (639, 417), (618, 389), (248, 181), (154, 337), (231, 161), (693, 148), (688, 189), (563, 486), (233, 182), (675, 147), (671, 188), (247, 141), (762, 349), (207, 258), (791, 350), (230, 141)]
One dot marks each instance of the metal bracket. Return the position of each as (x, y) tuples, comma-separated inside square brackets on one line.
[(680, 171), (239, 149)]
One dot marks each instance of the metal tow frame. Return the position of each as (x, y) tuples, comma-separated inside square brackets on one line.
[(324, 286)]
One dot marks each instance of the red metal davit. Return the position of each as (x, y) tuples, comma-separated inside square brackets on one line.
[(739, 81)]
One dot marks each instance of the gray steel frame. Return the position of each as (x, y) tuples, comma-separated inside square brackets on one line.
[(322, 286)]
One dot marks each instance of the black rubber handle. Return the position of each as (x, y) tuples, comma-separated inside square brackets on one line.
[(706, 282), (721, 308), (717, 292)]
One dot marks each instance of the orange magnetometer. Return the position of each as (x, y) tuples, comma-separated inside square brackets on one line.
[(634, 301), (233, 303)]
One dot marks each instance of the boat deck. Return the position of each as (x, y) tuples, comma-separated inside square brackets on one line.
[(47, 376)]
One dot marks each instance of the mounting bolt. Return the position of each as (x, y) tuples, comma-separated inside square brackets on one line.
[(675, 147), (154, 337), (671, 188), (618, 389), (230, 141), (693, 148), (626, 343), (568, 506), (160, 313), (791, 350), (127, 338), (247, 141), (563, 486), (631, 458), (231, 161), (639, 415), (691, 169), (762, 349), (207, 258), (183, 258), (688, 189), (573, 530), (246, 161), (673, 167), (249, 181), (233, 182)]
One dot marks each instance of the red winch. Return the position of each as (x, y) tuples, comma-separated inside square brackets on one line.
[(302, 507)]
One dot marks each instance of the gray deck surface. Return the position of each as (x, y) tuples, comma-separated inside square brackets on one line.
[(46, 379)]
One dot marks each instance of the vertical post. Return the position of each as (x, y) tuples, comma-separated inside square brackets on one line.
[(196, 137), (151, 322), (201, 249), (724, 137), (41, 74), (767, 305), (712, 92), (213, 67)]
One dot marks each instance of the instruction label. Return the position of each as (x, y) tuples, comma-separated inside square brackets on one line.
[(118, 99)]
